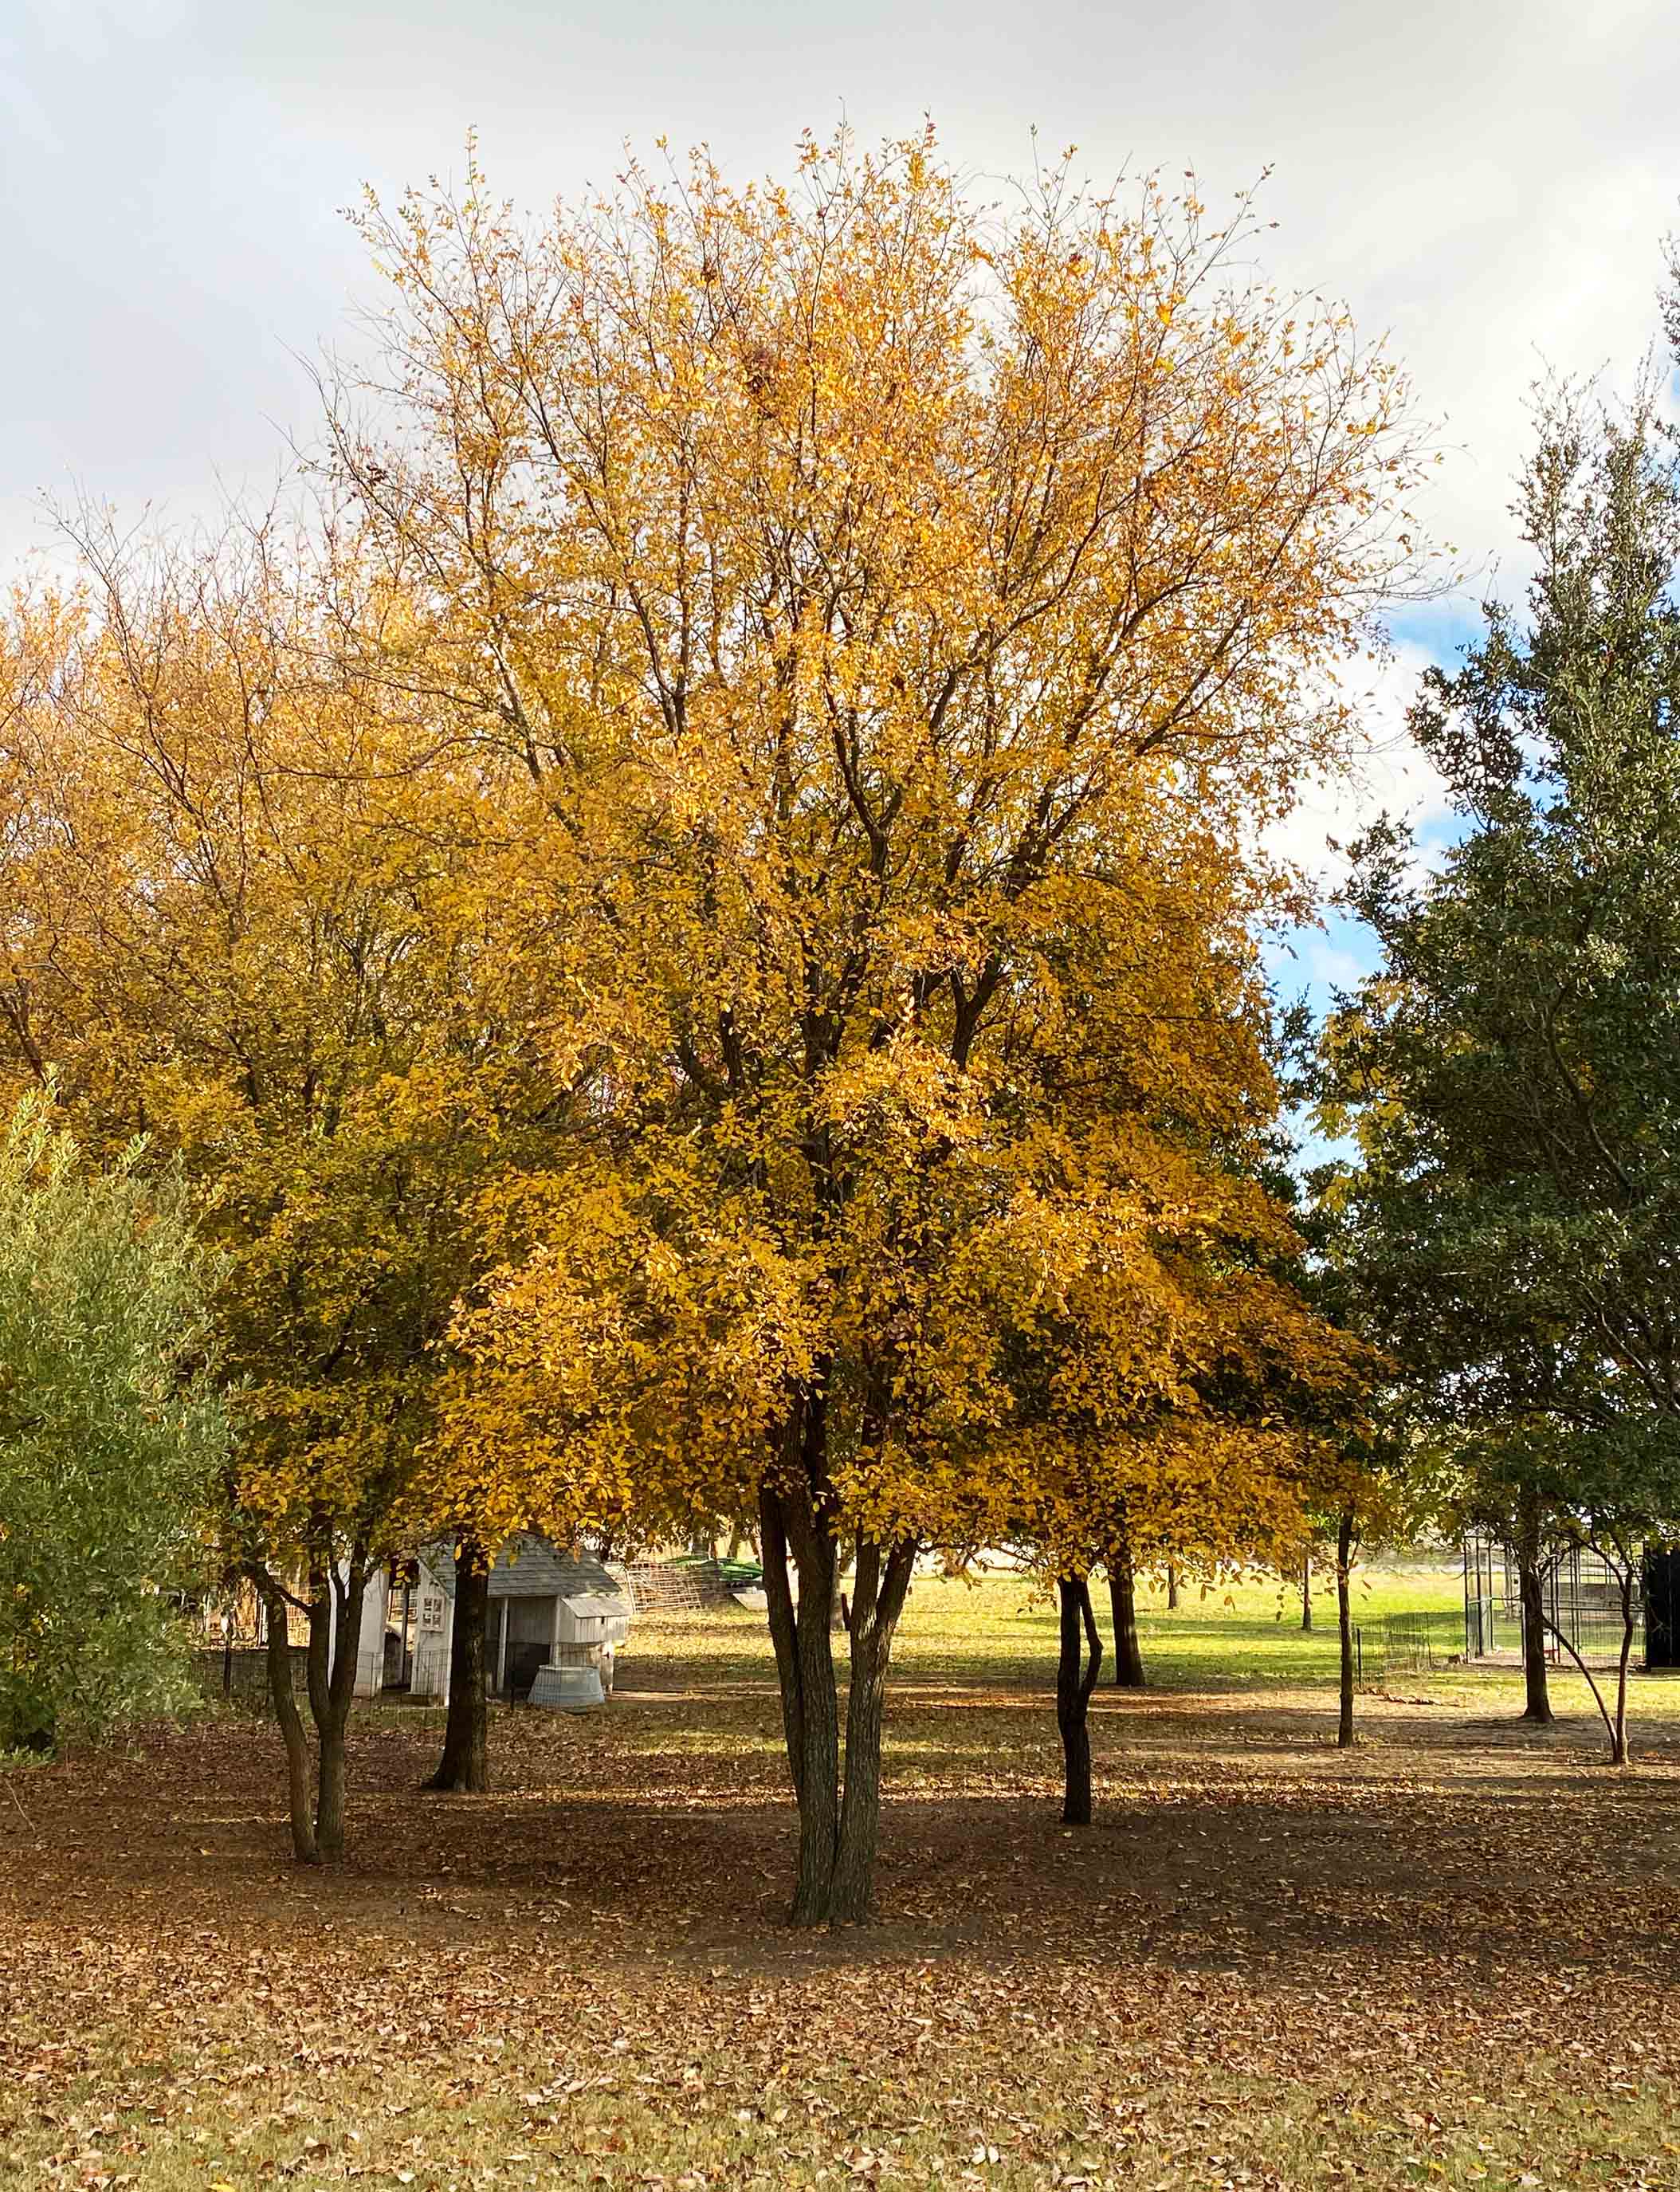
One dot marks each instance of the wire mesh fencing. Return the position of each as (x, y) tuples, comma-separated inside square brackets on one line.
[(1418, 1643)]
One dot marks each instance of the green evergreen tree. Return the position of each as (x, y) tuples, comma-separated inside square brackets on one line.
[(1513, 1071)]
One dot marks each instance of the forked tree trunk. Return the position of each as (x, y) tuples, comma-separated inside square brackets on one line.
[(1122, 1605), (838, 1823), (1073, 1687), (1344, 1616), (1531, 1597), (795, 1519), (334, 1610), (463, 1768)]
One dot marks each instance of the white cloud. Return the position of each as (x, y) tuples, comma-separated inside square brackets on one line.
[(1387, 775), (1488, 183)]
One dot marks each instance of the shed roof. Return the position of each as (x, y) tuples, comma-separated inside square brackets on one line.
[(530, 1567)]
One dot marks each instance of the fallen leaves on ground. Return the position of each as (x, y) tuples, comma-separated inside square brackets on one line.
[(1442, 1959)]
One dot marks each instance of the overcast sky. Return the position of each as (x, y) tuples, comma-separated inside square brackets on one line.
[(1489, 183)]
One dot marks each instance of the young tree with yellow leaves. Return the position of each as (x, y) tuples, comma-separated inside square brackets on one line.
[(946, 583)]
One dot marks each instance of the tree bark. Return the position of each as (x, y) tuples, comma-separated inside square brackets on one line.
[(877, 1602), (1531, 1595), (1172, 1588), (1122, 1605), (779, 1606), (284, 1700), (802, 1504), (837, 1819), (348, 1593), (818, 1779), (1344, 1616), (464, 1767), (1074, 1687), (1306, 1591)]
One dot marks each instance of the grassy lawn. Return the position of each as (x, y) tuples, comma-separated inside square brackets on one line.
[(1444, 1958)]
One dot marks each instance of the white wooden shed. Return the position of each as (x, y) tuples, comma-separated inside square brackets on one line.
[(546, 1606)]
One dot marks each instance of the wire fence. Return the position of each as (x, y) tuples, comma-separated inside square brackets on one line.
[(1417, 1643), (1581, 1594)]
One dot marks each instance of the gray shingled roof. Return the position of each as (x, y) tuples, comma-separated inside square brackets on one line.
[(530, 1568)]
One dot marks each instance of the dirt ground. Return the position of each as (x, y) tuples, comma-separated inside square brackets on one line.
[(1447, 1956)]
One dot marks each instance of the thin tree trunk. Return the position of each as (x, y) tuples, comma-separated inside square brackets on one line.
[(1122, 1605), (1344, 1615), (318, 1656), (779, 1606), (1306, 1591), (284, 1698), (878, 1601), (1073, 1695), (1172, 1588), (1531, 1595), (464, 1767), (348, 1593), (1618, 1734)]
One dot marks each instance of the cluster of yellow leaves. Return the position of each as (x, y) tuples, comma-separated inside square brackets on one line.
[(240, 920)]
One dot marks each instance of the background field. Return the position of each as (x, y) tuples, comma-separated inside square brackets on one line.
[(1443, 1958)]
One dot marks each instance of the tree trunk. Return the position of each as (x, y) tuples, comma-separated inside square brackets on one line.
[(817, 1781), (348, 1592), (465, 1766), (838, 1823), (1306, 1591), (1531, 1594), (1122, 1605), (810, 1701), (1344, 1615), (1172, 1588), (1073, 1695), (779, 1606), (1615, 1726), (330, 1782), (284, 1700), (1618, 1732), (877, 1600)]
